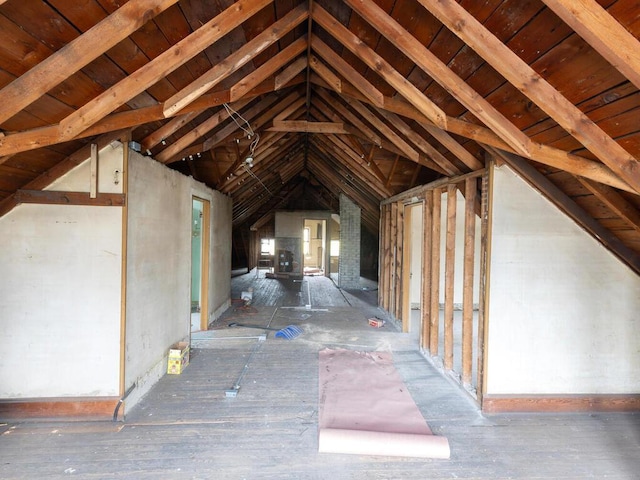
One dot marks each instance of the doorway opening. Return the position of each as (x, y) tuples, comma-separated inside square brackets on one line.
[(412, 268), (199, 264), (314, 246)]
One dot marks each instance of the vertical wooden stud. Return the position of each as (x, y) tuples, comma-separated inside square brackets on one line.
[(386, 260), (393, 241), (435, 272), (381, 240), (93, 185), (206, 248), (470, 189), (483, 274), (381, 254), (425, 309), (123, 265), (399, 237), (407, 233), (449, 274)]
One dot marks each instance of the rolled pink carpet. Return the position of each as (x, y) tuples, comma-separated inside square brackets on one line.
[(365, 408)]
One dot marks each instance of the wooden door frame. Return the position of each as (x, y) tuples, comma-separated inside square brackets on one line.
[(407, 262), (205, 246)]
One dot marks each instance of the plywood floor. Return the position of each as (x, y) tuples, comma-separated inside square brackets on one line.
[(187, 428)]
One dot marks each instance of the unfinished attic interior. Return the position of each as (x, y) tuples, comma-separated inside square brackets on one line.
[(471, 169)]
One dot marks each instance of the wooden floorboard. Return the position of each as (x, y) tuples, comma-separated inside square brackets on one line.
[(188, 428)]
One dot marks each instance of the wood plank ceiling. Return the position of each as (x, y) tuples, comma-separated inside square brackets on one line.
[(362, 97)]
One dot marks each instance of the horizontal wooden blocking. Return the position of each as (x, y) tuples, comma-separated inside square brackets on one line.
[(561, 403), (79, 408)]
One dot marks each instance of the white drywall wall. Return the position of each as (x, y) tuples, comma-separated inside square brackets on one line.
[(563, 315), (159, 265), (109, 173), (220, 257), (289, 224), (60, 293)]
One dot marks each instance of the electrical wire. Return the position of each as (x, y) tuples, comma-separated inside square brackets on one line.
[(246, 167), (248, 129)]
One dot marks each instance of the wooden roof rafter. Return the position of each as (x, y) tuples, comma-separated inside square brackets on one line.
[(369, 211), (162, 65), (236, 60), (542, 153), (441, 73), (535, 87), (395, 79), (334, 147), (78, 53), (46, 136), (603, 32)]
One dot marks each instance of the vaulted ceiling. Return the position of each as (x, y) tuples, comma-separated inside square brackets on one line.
[(288, 104)]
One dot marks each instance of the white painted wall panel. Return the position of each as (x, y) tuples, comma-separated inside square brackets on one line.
[(60, 295), (159, 265), (220, 265), (109, 173), (563, 310), (289, 224)]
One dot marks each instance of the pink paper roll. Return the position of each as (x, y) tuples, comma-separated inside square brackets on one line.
[(360, 442)]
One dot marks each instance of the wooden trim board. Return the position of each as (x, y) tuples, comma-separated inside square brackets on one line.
[(561, 403), (50, 197), (81, 408)]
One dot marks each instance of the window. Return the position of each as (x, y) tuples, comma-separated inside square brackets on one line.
[(267, 246), (306, 237), (334, 248)]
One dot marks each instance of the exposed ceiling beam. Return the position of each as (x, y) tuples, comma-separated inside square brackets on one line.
[(442, 74), (266, 103), (615, 202), (347, 115), (536, 88), (393, 170), (369, 207), (291, 109), (333, 80), (76, 54), (386, 131), (44, 136), (308, 127), (603, 32), (403, 86), (289, 73), (334, 147), (453, 146), (541, 153), (267, 69), (166, 130), (236, 60), (173, 150), (159, 67), (343, 68), (428, 149)]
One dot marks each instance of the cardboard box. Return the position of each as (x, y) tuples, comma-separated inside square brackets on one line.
[(178, 358), (376, 322)]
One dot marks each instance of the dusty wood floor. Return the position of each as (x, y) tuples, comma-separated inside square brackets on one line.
[(187, 427)]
